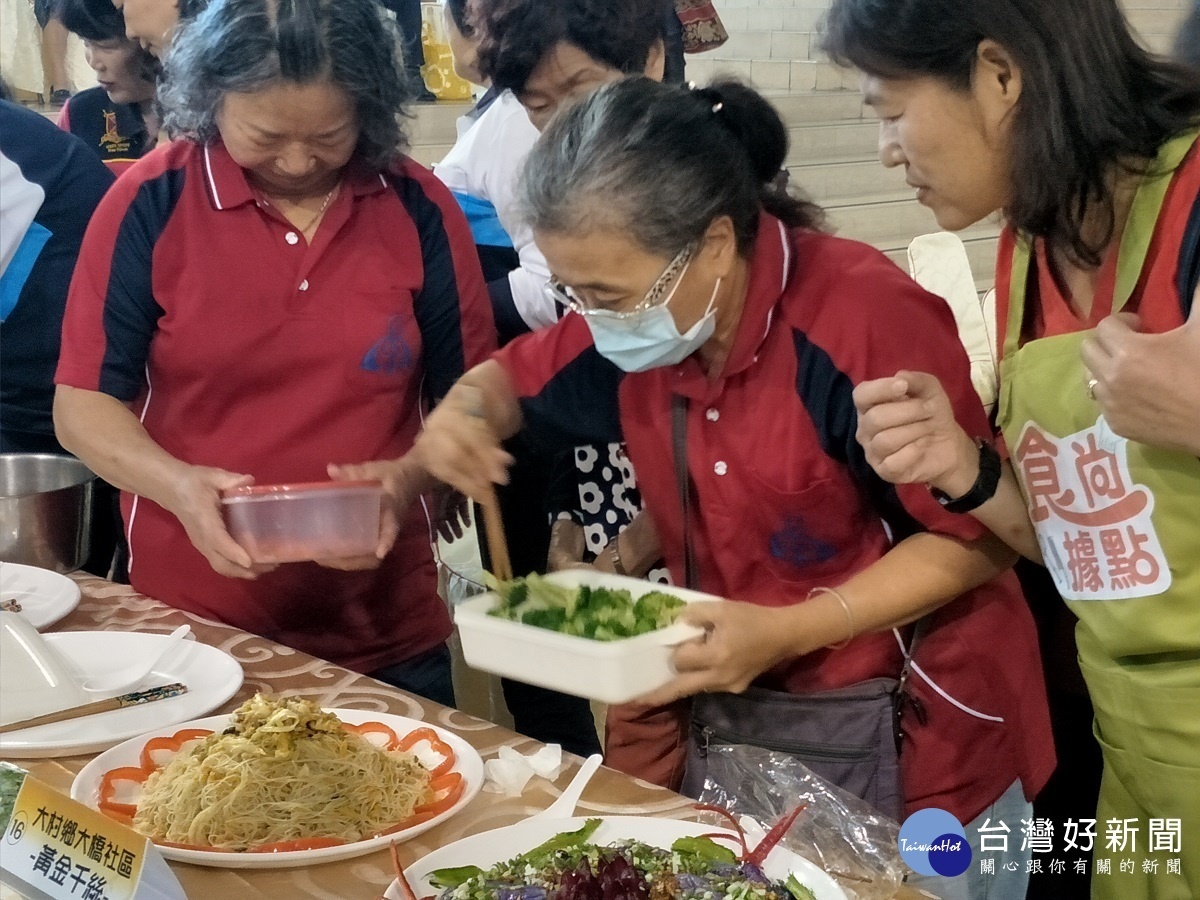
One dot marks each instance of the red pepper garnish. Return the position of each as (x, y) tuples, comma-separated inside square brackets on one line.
[(366, 729), (774, 836), (108, 790), (172, 744), (449, 786), (728, 816), (439, 746)]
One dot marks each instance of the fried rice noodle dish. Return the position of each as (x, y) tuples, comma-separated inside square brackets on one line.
[(285, 771)]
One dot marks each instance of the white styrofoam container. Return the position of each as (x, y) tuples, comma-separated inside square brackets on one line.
[(607, 671)]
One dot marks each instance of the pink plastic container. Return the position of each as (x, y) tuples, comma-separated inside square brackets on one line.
[(281, 523)]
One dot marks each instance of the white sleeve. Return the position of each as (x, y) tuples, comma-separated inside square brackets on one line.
[(20, 201)]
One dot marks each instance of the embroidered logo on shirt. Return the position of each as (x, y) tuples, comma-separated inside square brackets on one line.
[(391, 354), (112, 140), (1094, 523), (793, 544)]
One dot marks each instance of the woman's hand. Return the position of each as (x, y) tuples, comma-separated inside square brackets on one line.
[(403, 483), (460, 448), (741, 642), (1148, 385), (907, 427), (196, 503)]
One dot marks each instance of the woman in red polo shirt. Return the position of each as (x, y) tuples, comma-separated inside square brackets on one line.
[(1055, 115), (277, 292), (704, 293)]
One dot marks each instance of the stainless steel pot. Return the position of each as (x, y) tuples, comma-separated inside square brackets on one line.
[(45, 510)]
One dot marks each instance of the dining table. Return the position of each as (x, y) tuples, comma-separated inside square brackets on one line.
[(280, 671)]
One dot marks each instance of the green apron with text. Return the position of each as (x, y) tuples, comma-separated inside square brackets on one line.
[(1119, 527)]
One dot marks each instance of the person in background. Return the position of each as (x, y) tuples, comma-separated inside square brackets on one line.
[(674, 58), (277, 292), (482, 170), (408, 18), (1056, 116), (50, 184), (152, 23), (116, 119), (54, 52), (702, 293)]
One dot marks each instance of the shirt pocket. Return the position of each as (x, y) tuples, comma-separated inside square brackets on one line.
[(381, 341), (805, 537)]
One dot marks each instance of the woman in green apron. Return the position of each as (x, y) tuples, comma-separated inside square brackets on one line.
[(1052, 114)]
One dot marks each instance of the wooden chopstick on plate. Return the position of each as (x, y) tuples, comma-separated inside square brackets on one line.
[(493, 526), (137, 698)]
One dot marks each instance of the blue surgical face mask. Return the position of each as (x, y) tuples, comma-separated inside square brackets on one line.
[(650, 338)]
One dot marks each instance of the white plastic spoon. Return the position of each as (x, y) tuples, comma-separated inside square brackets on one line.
[(133, 674), (564, 806)]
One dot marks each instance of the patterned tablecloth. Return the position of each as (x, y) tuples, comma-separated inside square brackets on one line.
[(282, 671)]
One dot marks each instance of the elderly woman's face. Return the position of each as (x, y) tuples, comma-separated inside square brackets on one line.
[(150, 22), (293, 139)]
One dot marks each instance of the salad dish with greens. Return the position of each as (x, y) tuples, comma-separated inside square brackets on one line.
[(569, 866), (598, 613)]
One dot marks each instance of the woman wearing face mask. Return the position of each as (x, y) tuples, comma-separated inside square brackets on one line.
[(714, 317), (117, 119)]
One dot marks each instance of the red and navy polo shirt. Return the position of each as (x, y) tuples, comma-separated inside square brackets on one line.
[(243, 347), (116, 132), (785, 500)]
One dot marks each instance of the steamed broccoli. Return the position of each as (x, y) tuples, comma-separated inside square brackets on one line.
[(601, 614)]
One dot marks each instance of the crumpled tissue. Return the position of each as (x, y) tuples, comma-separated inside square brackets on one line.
[(510, 771)]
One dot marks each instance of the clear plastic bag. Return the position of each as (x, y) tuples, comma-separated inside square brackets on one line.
[(837, 831)]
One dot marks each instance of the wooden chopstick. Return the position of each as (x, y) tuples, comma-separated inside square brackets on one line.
[(98, 706), (493, 526)]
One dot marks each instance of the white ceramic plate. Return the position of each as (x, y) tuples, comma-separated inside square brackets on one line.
[(211, 675), (44, 596), (86, 789), (490, 847)]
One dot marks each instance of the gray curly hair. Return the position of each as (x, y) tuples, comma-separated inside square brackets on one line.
[(241, 46)]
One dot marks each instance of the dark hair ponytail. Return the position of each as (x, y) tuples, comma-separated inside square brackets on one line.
[(758, 128), (662, 162)]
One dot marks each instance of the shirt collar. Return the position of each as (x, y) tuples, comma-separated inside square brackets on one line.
[(770, 270), (228, 187)]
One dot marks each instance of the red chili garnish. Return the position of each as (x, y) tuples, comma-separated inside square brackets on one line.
[(774, 836), (733, 822), (405, 887)]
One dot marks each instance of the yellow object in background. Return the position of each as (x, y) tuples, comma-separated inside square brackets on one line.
[(438, 70)]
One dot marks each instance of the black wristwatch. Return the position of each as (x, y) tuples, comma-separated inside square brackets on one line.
[(984, 488)]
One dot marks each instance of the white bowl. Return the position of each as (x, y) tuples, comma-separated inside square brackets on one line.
[(607, 671)]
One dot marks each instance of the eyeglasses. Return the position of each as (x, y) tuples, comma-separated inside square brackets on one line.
[(558, 292)]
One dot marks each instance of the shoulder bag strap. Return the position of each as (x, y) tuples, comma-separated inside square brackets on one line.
[(683, 483)]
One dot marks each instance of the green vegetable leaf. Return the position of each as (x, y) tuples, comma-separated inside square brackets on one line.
[(452, 878), (705, 849), (565, 841), (797, 890)]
